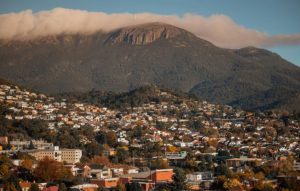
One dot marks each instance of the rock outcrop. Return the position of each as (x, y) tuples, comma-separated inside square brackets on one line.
[(144, 34)]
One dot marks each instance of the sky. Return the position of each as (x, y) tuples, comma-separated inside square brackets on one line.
[(271, 24)]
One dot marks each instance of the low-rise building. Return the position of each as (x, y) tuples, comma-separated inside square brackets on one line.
[(243, 161), (199, 176)]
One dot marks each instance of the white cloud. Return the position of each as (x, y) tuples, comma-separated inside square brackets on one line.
[(218, 29)]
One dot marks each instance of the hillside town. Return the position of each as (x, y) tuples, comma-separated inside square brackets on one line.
[(169, 143)]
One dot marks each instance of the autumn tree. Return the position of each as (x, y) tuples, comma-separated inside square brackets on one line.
[(171, 149), (111, 138), (51, 170), (246, 175), (285, 166), (160, 164), (103, 160), (5, 165), (4, 170), (263, 187), (232, 183), (27, 163)]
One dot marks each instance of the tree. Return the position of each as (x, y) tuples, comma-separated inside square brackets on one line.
[(160, 164), (179, 177), (34, 187), (51, 170), (111, 138), (100, 160), (219, 182), (93, 149), (233, 183), (27, 163), (285, 166), (5, 165), (263, 187), (101, 138), (121, 186), (134, 186), (9, 186), (24, 174), (31, 146), (171, 149), (4, 170), (62, 187), (247, 174), (12, 184), (138, 132), (122, 155), (224, 170), (260, 176), (8, 146)]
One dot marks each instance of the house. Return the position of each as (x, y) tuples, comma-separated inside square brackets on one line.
[(173, 156), (74, 170), (117, 171), (243, 161), (4, 140), (84, 171), (86, 187), (148, 179), (199, 176), (106, 182), (199, 180), (132, 170), (156, 176), (297, 166), (98, 171)]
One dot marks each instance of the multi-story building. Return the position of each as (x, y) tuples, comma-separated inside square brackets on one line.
[(38, 144), (66, 155), (71, 155)]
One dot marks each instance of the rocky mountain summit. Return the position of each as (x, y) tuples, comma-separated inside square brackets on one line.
[(145, 34), (157, 54)]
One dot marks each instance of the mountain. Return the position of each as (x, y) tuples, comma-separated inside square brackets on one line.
[(153, 53)]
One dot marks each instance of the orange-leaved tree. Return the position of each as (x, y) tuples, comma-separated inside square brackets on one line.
[(51, 170)]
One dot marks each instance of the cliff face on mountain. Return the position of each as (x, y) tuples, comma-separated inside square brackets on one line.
[(153, 53), (145, 34)]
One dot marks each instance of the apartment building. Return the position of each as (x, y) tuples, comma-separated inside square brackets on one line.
[(67, 155)]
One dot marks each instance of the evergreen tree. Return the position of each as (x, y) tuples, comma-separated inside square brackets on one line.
[(133, 187), (12, 184), (34, 187), (31, 146), (179, 177)]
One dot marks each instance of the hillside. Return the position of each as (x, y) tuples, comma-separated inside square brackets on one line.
[(153, 53), (123, 101)]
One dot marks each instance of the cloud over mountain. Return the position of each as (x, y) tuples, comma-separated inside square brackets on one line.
[(218, 29)]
